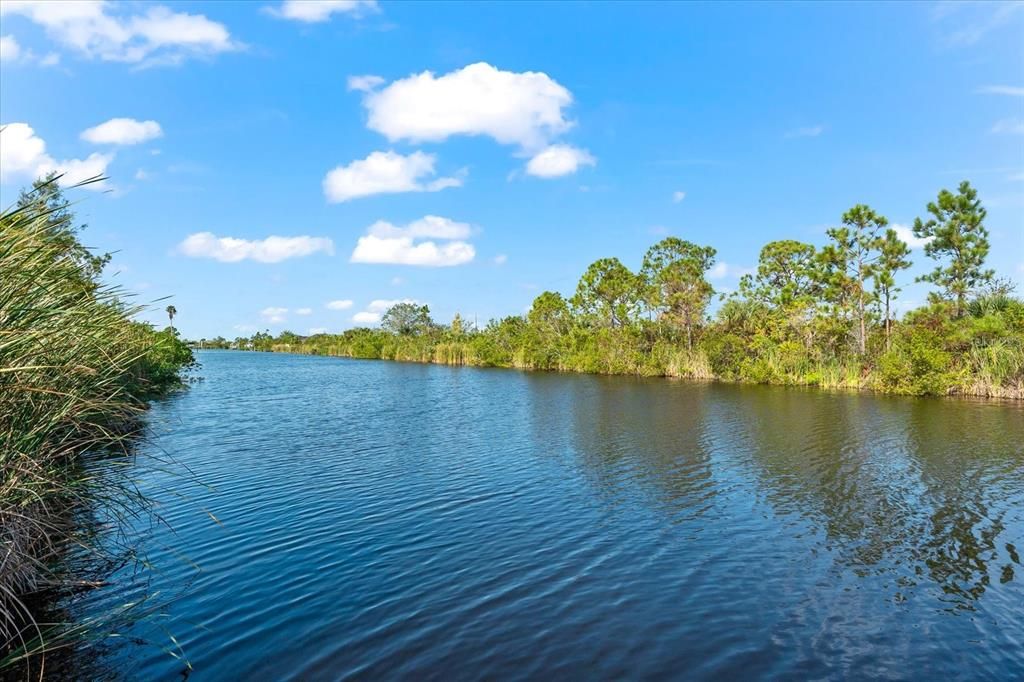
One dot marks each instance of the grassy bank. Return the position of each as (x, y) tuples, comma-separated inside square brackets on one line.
[(75, 374)]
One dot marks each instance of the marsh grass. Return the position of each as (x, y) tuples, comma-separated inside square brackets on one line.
[(75, 375)]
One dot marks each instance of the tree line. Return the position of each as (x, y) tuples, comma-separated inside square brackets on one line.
[(807, 315)]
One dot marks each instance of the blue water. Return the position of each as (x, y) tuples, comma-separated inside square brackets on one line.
[(380, 520)]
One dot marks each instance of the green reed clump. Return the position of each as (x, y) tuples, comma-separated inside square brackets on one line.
[(75, 372)]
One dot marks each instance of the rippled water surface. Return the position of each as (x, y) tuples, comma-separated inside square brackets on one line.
[(386, 520)]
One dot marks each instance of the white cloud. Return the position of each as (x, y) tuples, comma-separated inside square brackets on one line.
[(385, 243), (315, 11), (123, 131), (384, 173), (526, 109), (810, 131), (51, 59), (376, 309), (907, 235), (9, 49), (317, 330), (366, 318), (343, 304), (500, 259), (396, 281), (558, 160), (270, 250), (91, 28), (303, 311), (1009, 90), (364, 83), (723, 270), (678, 196), (141, 174), (23, 157), (402, 251), (430, 226), (274, 315), (1013, 126)]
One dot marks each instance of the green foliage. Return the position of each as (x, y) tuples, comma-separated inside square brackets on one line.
[(609, 294), (407, 318), (957, 233), (673, 274), (792, 322), (75, 372)]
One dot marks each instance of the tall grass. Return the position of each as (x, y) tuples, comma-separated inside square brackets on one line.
[(75, 372)]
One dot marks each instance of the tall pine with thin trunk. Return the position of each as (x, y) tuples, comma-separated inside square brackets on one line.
[(892, 258), (959, 242), (849, 261)]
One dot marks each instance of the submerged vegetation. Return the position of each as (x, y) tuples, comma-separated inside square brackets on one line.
[(807, 316), (75, 374)]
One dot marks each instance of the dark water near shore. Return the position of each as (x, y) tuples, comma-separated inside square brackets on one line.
[(383, 520)]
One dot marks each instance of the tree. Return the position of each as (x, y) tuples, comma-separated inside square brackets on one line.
[(674, 275), (550, 314), (957, 232), (849, 261), (892, 258), (46, 197), (609, 291), (407, 319), (785, 274), (457, 328), (171, 312)]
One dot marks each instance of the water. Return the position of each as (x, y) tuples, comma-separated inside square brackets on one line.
[(386, 520)]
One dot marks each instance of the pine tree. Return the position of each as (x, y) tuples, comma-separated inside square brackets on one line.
[(892, 259), (957, 232)]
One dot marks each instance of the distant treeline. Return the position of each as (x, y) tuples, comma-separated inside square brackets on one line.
[(807, 316)]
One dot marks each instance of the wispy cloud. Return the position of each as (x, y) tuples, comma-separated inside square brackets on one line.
[(809, 131), (1012, 126), (1008, 90), (966, 23)]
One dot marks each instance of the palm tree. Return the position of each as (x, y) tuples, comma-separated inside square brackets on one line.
[(171, 312)]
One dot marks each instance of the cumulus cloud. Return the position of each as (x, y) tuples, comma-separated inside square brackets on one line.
[(558, 160), (270, 250), (364, 83), (23, 157), (1013, 126), (94, 29), (500, 259), (274, 315), (385, 243), (810, 131), (907, 235), (1009, 90), (376, 309), (526, 109), (385, 173), (9, 49), (313, 331), (315, 11), (123, 131), (304, 311), (343, 304), (678, 196)]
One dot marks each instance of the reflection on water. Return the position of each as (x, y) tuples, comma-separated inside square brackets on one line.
[(392, 520)]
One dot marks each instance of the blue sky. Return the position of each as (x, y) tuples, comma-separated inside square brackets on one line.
[(496, 150)]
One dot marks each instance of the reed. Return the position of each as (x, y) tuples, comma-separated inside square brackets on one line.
[(75, 374)]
